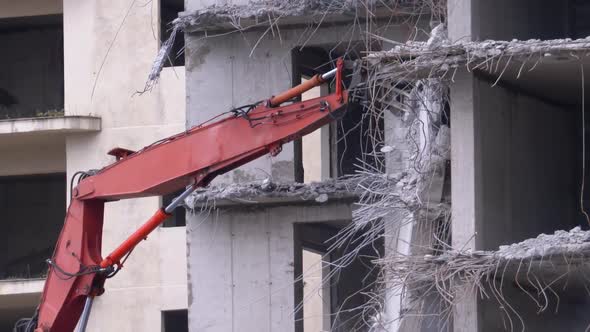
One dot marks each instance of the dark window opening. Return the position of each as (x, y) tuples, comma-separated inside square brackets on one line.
[(169, 10), (178, 217), (34, 208), (32, 71), (175, 321)]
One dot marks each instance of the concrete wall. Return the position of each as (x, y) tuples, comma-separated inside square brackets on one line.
[(242, 262), (516, 158), (508, 19), (32, 154), (30, 8), (520, 19), (104, 83), (528, 157)]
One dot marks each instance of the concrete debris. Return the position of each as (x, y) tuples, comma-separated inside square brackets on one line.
[(318, 192), (438, 36), (161, 58), (437, 59), (576, 241), (386, 149), (322, 198)]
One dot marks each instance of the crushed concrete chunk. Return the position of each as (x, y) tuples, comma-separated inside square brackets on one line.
[(386, 149), (322, 198), (576, 241)]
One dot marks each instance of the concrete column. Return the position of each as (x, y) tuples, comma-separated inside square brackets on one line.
[(507, 19), (465, 186), (463, 158), (459, 22)]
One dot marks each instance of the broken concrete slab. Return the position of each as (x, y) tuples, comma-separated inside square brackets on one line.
[(280, 12), (445, 55), (525, 283), (544, 260), (258, 13), (542, 68), (268, 192)]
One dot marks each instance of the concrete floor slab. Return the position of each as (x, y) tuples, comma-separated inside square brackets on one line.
[(48, 125)]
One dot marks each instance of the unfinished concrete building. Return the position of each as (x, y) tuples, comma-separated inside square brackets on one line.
[(259, 255), (506, 118), (422, 209)]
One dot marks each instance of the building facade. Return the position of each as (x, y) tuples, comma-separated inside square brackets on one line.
[(508, 121)]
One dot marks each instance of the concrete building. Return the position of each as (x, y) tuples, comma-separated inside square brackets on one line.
[(68, 81), (256, 251), (472, 139), (512, 131)]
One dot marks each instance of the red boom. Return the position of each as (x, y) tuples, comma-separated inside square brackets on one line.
[(193, 157)]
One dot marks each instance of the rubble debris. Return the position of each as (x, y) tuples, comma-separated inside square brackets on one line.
[(576, 241), (322, 198), (161, 58)]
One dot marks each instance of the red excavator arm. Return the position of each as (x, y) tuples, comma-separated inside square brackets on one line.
[(193, 158)]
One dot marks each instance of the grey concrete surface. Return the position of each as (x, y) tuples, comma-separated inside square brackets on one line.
[(241, 264)]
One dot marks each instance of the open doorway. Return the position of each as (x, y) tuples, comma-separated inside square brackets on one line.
[(330, 291), (316, 293)]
